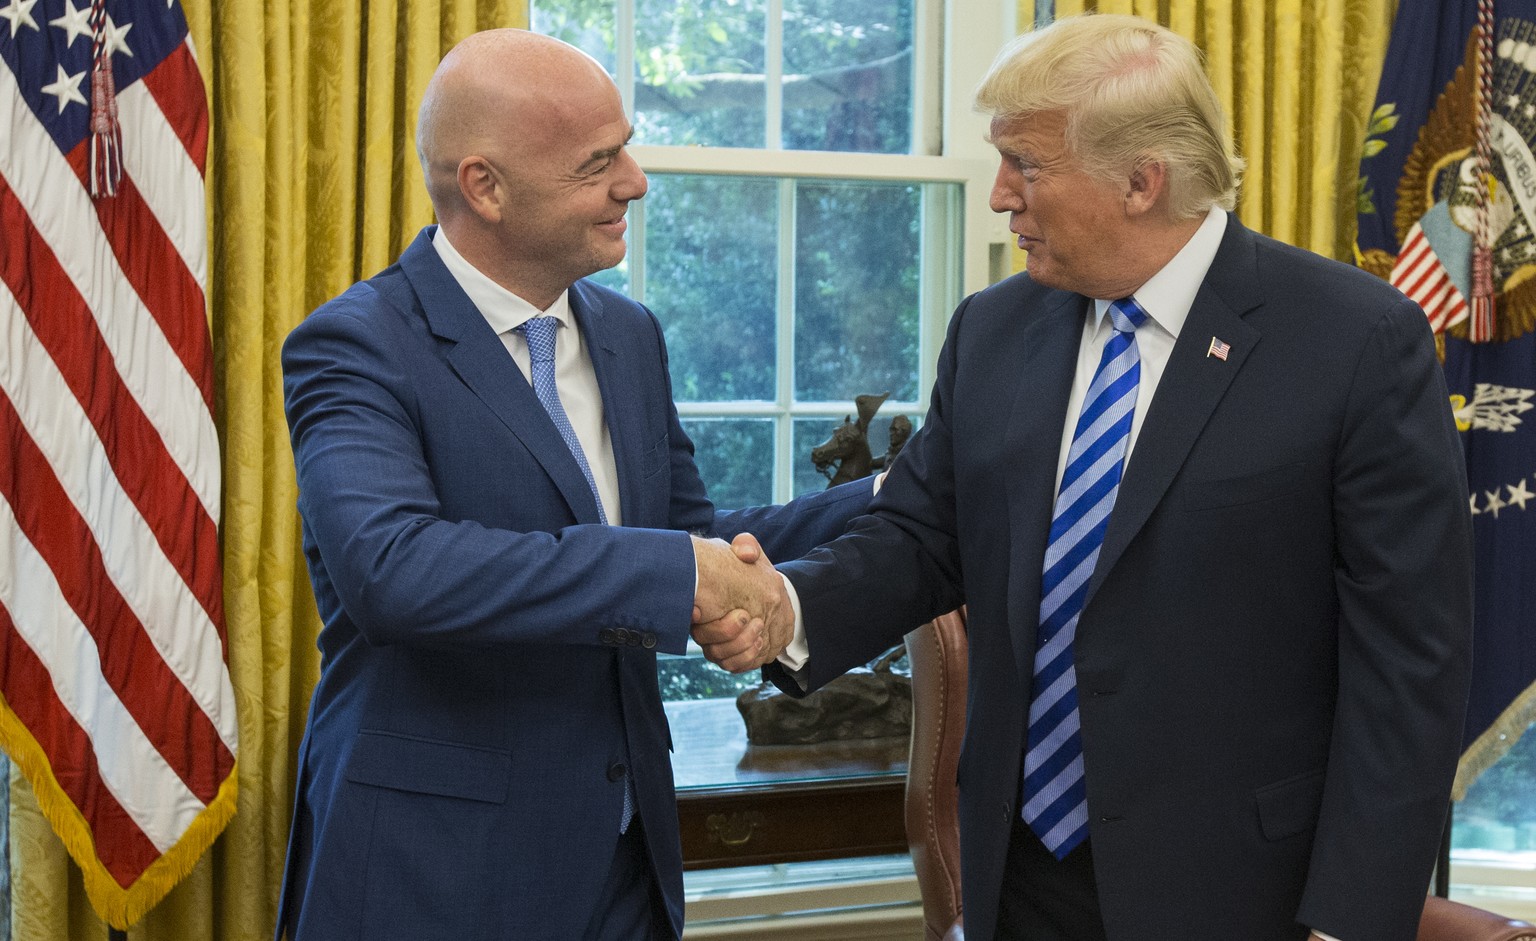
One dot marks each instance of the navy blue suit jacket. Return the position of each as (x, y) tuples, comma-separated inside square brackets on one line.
[(1272, 662), (488, 650)]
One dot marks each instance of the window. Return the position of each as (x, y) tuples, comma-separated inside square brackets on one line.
[(807, 234), (800, 243), (829, 75), (782, 299)]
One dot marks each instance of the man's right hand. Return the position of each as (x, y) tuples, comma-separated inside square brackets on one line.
[(742, 616)]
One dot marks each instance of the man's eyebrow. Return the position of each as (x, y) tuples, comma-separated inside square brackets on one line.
[(1002, 146), (599, 156)]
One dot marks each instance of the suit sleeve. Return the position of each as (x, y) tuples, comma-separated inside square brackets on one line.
[(1404, 585), (897, 567), (406, 573)]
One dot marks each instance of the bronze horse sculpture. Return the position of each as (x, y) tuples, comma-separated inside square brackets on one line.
[(846, 456)]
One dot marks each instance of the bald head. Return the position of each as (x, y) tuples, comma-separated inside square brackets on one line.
[(522, 139), (501, 93)]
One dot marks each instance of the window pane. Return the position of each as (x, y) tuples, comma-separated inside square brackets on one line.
[(711, 276), (586, 24), (735, 458), (856, 290), (808, 434), (699, 72), (848, 75)]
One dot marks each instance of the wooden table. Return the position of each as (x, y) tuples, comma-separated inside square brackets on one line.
[(742, 805)]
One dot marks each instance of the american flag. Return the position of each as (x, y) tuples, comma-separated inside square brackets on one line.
[(1420, 274), (1447, 155), (1219, 349), (117, 702)]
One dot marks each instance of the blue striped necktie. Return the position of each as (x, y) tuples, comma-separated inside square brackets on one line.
[(540, 334), (1055, 797)]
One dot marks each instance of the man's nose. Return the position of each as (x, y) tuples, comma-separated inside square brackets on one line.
[(631, 183), (1007, 195)]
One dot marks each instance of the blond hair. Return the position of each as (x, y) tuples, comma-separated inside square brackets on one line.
[(1131, 92)]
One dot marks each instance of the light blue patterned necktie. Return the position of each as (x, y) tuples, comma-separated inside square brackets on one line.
[(1055, 796), (540, 334)]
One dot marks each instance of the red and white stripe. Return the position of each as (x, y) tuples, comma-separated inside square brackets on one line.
[(112, 644), (1420, 275)]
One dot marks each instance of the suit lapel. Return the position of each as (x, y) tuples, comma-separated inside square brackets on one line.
[(1046, 357), (623, 403), (1192, 386), (483, 363)]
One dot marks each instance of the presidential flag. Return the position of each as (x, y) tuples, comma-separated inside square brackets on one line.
[(115, 696), (1447, 209)]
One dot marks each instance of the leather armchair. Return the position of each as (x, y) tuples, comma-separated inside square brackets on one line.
[(937, 651), (938, 654), (1445, 920)]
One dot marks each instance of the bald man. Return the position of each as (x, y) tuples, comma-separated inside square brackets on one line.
[(497, 501)]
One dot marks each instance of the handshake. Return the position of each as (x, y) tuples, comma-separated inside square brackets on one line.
[(741, 613)]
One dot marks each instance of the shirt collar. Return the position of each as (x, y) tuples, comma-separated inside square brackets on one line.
[(502, 309), (1168, 295)]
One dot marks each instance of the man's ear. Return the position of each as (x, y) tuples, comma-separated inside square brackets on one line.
[(1146, 187), (480, 187)]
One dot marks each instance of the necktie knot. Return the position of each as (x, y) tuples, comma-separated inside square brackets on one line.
[(1126, 315), (540, 334)]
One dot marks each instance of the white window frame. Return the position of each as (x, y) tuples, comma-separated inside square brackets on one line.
[(951, 141), (1505, 887)]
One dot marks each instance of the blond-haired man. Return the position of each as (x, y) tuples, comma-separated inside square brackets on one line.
[(1203, 495)]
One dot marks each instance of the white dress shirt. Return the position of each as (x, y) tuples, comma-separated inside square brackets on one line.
[(1166, 297), (574, 376)]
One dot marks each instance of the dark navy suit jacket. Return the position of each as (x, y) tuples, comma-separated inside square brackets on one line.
[(1272, 662), (488, 650)]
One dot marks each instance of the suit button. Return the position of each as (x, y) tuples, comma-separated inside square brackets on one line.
[(619, 635), (605, 636), (1007, 814), (616, 771), (648, 640), (632, 638)]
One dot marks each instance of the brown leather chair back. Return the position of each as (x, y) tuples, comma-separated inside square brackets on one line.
[(1445, 920), (937, 651)]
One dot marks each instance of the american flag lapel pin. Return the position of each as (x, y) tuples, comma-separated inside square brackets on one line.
[(1219, 349)]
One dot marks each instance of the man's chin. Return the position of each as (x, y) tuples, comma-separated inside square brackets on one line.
[(1040, 270)]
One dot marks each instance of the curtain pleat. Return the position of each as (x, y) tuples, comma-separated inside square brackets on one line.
[(313, 183)]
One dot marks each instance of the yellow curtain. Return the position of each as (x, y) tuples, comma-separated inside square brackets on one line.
[(1298, 80), (312, 184)]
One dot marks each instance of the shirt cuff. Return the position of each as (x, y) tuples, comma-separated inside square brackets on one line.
[(798, 652), (1325, 937)]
